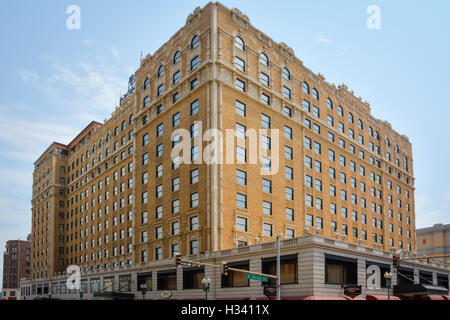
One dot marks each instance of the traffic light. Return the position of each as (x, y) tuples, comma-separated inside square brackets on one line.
[(396, 261), (177, 259), (224, 268)]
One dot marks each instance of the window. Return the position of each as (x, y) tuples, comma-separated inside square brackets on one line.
[(267, 186), (287, 92), (194, 107), (286, 74), (315, 94), (241, 177), (160, 89), (265, 98), (194, 62), (176, 119), (239, 43), (194, 42), (240, 108), (265, 121), (265, 79), (239, 64), (176, 77), (305, 87), (194, 83), (241, 224), (267, 208), (267, 230), (329, 104), (241, 201), (194, 200), (160, 71), (194, 176), (240, 85), (288, 132), (263, 59), (176, 57), (159, 133)]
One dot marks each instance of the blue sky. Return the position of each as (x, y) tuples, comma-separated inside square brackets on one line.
[(54, 81)]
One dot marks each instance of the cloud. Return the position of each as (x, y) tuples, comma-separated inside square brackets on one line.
[(322, 39), (115, 52), (27, 75)]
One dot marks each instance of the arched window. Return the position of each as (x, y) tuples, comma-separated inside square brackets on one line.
[(371, 131), (377, 135), (116, 131), (306, 87), (329, 104), (108, 137), (239, 43), (160, 71), (315, 94), (131, 119), (264, 59), (124, 125), (93, 148), (194, 42), (100, 143), (146, 83), (340, 111), (388, 142), (350, 118), (360, 124), (176, 57), (286, 73)]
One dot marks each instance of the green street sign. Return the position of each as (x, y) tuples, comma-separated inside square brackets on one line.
[(257, 277)]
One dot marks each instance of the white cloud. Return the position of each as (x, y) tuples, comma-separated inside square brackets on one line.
[(115, 52), (27, 75), (322, 39)]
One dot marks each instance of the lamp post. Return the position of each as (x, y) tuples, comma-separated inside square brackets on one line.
[(81, 295), (143, 290), (278, 267), (206, 286), (388, 277)]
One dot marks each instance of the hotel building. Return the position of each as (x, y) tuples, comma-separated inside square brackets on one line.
[(115, 197)]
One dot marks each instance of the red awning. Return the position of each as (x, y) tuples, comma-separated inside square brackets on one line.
[(432, 297), (376, 297), (234, 299), (446, 297), (359, 298), (325, 298)]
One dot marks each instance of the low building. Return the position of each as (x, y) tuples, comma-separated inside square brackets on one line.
[(311, 265), (16, 265), (434, 241)]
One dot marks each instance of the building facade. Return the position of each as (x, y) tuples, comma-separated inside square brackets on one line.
[(311, 265), (119, 194), (434, 241), (16, 265)]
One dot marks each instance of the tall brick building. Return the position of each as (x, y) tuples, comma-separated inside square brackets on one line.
[(16, 265), (116, 196)]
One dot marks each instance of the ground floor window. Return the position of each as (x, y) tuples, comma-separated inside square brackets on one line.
[(340, 270), (405, 276), (383, 269), (125, 283), (95, 285), (192, 278), (167, 280), (145, 278), (236, 279), (288, 268), (108, 284)]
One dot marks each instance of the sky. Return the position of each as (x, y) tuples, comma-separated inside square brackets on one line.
[(54, 79)]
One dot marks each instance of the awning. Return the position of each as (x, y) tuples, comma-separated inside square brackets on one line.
[(419, 290), (432, 297), (377, 297), (446, 297), (114, 295), (325, 298), (234, 299)]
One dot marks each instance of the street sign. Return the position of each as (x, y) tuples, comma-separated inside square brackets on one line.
[(185, 264), (257, 277)]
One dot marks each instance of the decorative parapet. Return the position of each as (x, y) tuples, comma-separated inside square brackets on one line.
[(240, 18), (194, 16), (286, 51)]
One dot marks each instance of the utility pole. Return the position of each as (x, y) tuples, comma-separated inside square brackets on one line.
[(278, 267)]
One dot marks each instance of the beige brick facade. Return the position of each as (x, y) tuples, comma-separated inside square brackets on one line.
[(110, 210)]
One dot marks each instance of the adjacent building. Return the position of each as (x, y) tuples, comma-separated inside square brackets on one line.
[(16, 265), (434, 241), (120, 195)]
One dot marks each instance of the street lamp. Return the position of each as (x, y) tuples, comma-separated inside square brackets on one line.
[(81, 295), (143, 290), (388, 277), (206, 285)]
